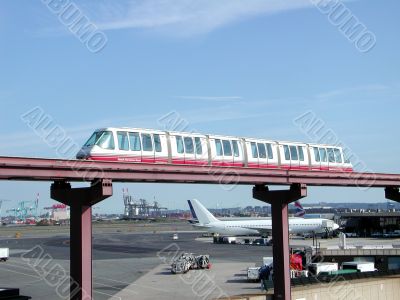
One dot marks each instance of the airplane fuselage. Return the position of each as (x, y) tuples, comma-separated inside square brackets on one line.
[(254, 227)]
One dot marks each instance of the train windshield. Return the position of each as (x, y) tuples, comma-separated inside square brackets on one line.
[(103, 139)]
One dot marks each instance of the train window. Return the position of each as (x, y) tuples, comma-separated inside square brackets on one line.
[(338, 155), (227, 147), (301, 153), (293, 153), (106, 140), (134, 139), (261, 150), (331, 155), (254, 150), (218, 148), (179, 144), (123, 143), (93, 138), (157, 142), (189, 147), (323, 155), (269, 151), (235, 147), (199, 149), (316, 154), (287, 152), (147, 143)]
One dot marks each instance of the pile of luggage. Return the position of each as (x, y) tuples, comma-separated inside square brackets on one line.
[(189, 261)]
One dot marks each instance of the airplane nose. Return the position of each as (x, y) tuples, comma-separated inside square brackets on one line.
[(335, 226)]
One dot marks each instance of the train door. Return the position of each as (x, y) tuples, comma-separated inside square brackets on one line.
[(237, 153), (216, 151), (190, 156), (252, 154), (331, 158), (323, 154), (262, 155), (285, 156), (135, 146), (272, 154), (294, 157), (123, 145), (160, 148), (177, 149), (338, 158), (201, 150), (147, 148), (303, 157), (228, 152), (315, 158)]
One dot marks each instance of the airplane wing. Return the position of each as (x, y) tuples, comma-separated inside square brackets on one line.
[(263, 231), (202, 226)]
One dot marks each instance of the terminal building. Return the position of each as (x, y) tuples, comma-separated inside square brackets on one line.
[(369, 223)]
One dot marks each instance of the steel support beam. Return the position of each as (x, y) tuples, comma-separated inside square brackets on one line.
[(40, 169), (80, 201), (392, 193), (279, 200)]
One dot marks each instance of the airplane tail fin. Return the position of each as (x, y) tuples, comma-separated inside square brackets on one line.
[(194, 216), (202, 214), (300, 211)]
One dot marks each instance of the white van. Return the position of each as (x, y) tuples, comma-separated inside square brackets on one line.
[(360, 266)]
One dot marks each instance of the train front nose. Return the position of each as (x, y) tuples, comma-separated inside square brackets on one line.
[(83, 153)]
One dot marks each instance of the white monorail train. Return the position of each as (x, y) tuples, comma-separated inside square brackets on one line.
[(156, 146)]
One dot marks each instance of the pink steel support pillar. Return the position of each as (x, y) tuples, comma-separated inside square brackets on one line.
[(279, 200), (80, 201)]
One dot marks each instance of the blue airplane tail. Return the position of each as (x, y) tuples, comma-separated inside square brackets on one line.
[(300, 211), (192, 210)]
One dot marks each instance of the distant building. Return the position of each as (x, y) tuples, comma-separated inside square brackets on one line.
[(59, 215), (366, 223)]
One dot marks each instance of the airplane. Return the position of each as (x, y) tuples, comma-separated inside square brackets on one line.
[(300, 212), (254, 226)]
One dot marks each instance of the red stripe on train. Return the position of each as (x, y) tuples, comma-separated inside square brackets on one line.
[(147, 159), (181, 161), (226, 163)]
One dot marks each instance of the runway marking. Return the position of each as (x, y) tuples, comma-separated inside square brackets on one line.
[(119, 290), (112, 296), (40, 278), (14, 264), (132, 283)]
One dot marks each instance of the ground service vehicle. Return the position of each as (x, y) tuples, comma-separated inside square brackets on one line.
[(360, 266), (316, 268), (4, 254)]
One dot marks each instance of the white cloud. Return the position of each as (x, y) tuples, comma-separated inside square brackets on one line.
[(211, 98), (352, 90), (184, 17)]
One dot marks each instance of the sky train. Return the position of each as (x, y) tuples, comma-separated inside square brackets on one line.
[(156, 146)]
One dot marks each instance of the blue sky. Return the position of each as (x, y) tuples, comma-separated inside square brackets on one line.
[(246, 68)]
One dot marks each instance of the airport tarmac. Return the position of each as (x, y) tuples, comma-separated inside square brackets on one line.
[(129, 264), (119, 259)]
